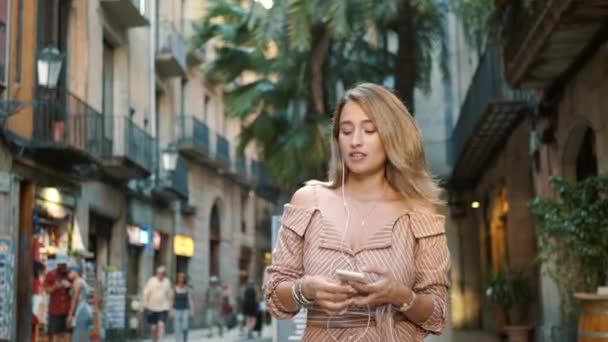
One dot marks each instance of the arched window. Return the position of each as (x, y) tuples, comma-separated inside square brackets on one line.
[(586, 158)]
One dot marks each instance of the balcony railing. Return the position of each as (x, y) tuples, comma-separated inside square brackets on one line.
[(241, 166), (196, 54), (517, 24), (128, 13), (194, 137), (68, 122), (171, 51), (132, 144), (544, 38), (222, 149)]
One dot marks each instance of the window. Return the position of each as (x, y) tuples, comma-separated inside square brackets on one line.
[(108, 90), (19, 41), (244, 213), (53, 19), (206, 108), (3, 40)]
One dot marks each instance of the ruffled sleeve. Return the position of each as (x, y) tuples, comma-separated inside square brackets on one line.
[(287, 257), (432, 259)]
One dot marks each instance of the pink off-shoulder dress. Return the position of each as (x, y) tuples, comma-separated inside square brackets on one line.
[(411, 245)]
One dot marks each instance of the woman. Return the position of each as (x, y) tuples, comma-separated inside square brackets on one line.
[(250, 309), (376, 215), (80, 316), (182, 307)]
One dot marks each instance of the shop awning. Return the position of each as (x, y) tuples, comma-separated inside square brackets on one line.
[(487, 139)]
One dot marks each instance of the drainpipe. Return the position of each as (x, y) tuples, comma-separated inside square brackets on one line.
[(152, 81)]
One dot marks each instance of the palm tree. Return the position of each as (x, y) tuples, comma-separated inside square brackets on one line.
[(300, 72), (286, 110), (419, 25)]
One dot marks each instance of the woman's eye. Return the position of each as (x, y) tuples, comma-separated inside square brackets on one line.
[(370, 131), (346, 132)]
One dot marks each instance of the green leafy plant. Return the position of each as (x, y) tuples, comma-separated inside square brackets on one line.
[(511, 293), (572, 234)]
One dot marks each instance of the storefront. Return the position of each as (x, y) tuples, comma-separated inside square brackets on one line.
[(53, 233)]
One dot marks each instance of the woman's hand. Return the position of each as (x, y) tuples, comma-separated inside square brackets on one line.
[(70, 321), (331, 297), (383, 291)]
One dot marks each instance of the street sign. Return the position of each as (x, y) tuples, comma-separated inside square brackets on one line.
[(286, 330)]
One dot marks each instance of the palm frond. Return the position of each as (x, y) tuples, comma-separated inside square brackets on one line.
[(336, 12), (231, 62), (299, 24), (244, 99)]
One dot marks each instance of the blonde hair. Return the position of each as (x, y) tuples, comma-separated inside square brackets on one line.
[(406, 168)]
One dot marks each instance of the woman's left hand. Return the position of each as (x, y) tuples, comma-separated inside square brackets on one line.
[(382, 291), (70, 321)]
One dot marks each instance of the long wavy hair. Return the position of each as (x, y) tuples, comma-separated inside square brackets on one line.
[(406, 169)]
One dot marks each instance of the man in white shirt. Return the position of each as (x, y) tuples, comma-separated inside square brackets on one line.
[(157, 300)]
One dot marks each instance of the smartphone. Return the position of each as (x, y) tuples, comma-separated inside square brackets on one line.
[(351, 276)]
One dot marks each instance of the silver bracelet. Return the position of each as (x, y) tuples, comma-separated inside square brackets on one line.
[(298, 297), (307, 302)]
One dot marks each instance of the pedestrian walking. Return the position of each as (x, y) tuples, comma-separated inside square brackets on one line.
[(213, 303), (365, 252), (227, 308), (157, 300), (260, 318), (250, 309), (183, 307), (57, 285), (80, 316)]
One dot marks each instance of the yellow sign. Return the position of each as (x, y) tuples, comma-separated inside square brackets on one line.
[(183, 245)]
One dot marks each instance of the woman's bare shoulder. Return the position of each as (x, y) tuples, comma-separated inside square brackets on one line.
[(307, 196), (422, 207)]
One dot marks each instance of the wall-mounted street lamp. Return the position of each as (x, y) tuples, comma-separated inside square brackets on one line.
[(169, 158), (49, 67), (49, 64)]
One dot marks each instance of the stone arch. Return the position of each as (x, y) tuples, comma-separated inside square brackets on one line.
[(579, 157), (215, 236)]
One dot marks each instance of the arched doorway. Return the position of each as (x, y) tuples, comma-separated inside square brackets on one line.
[(497, 234), (580, 157), (214, 240)]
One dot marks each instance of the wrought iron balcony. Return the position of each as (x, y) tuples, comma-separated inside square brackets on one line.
[(194, 139), (128, 13), (543, 38), (66, 133), (241, 166), (239, 171), (132, 155), (489, 113), (222, 151), (196, 54), (171, 51), (264, 186)]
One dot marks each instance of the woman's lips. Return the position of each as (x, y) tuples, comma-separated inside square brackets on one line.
[(357, 156)]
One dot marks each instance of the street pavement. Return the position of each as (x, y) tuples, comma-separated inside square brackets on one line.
[(200, 335)]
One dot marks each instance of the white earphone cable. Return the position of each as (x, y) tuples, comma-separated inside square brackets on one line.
[(350, 264)]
